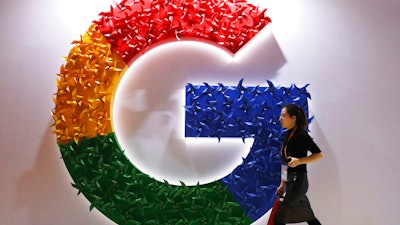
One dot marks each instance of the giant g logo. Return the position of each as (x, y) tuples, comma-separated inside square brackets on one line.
[(131, 102)]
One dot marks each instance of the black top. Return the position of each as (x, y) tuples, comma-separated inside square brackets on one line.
[(298, 147)]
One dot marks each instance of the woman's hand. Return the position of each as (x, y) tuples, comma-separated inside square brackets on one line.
[(281, 189), (293, 162)]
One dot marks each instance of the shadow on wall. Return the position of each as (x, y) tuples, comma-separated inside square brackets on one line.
[(262, 57), (325, 184), (45, 191)]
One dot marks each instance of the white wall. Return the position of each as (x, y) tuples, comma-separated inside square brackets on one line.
[(347, 50)]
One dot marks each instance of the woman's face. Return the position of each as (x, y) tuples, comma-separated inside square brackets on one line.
[(286, 120)]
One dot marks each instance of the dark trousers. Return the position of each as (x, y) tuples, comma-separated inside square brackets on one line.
[(312, 222), (295, 207)]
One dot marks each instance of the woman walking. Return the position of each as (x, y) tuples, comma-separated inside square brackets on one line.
[(295, 206)]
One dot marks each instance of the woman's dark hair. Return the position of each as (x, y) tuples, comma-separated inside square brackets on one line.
[(301, 118)]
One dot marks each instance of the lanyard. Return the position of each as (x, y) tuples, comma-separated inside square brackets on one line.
[(290, 137)]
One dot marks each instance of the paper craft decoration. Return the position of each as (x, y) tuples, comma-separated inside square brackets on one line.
[(82, 120)]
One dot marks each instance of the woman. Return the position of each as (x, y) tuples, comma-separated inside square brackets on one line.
[(295, 206)]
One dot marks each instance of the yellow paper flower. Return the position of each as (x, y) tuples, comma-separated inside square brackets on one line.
[(85, 88)]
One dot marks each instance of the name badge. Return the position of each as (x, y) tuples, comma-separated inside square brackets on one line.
[(284, 169)]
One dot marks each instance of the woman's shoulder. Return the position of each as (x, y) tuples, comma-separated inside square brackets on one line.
[(303, 134)]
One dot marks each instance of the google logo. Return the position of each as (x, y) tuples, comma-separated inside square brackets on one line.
[(90, 103)]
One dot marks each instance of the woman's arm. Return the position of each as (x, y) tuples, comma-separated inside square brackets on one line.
[(281, 189), (309, 159)]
